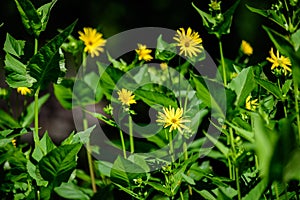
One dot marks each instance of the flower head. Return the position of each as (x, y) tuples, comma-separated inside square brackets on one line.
[(251, 104), (246, 48), (126, 97), (172, 118), (93, 41), (189, 42), (144, 53), (163, 66), (279, 61), (23, 90)]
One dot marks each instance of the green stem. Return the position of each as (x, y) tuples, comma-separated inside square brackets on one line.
[(222, 62), (181, 196), (130, 134), (123, 144), (36, 45), (171, 146), (89, 155), (237, 180), (185, 152), (36, 117), (296, 93), (276, 190), (230, 168)]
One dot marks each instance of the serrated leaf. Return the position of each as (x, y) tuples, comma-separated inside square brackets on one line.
[(13, 46), (16, 74), (29, 113), (46, 145), (44, 66), (154, 98), (124, 171), (44, 13), (243, 84), (29, 16), (270, 87), (71, 191), (57, 166)]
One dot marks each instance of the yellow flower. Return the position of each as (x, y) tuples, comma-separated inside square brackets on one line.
[(23, 90), (126, 97), (144, 53), (14, 142), (246, 48), (251, 104), (189, 42), (281, 61), (172, 118), (163, 66), (93, 41)]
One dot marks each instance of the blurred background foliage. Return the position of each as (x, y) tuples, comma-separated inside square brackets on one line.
[(115, 16)]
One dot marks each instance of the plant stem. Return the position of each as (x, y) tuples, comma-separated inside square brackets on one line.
[(89, 155), (130, 134), (36, 117), (296, 93), (171, 147), (181, 196), (123, 144), (237, 180), (222, 62), (276, 190), (185, 152)]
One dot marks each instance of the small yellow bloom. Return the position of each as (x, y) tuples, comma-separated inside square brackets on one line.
[(93, 41), (246, 48), (189, 42), (23, 90), (126, 97), (279, 61), (172, 118), (14, 142), (163, 66), (251, 104), (144, 53)]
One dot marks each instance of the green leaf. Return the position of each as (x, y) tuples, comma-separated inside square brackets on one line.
[(103, 118), (205, 194), (46, 145), (29, 113), (63, 93), (291, 170), (16, 74), (104, 167), (57, 166), (243, 84), (44, 66), (154, 98), (270, 87), (242, 132), (296, 39), (83, 137), (35, 174), (257, 191), (13, 46), (188, 179), (124, 171), (30, 17), (270, 14), (160, 187), (7, 121), (71, 191), (207, 20), (164, 51), (44, 12), (218, 144)]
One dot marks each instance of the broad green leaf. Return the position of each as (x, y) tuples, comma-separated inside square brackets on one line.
[(35, 174), (124, 171), (188, 179), (207, 20), (248, 135), (154, 98), (286, 86), (16, 74), (121, 65), (270, 87), (46, 145), (44, 66), (13, 46), (270, 14), (160, 187), (291, 170), (296, 39), (57, 166), (29, 113), (30, 17), (218, 144), (44, 13), (7, 121), (205, 194), (164, 51), (63, 93), (257, 191), (103, 167), (83, 137), (140, 161), (243, 84), (71, 191)]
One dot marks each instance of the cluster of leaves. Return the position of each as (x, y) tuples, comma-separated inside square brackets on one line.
[(258, 145)]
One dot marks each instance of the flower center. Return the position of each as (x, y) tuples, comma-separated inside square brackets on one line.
[(174, 121), (187, 44)]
